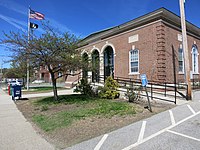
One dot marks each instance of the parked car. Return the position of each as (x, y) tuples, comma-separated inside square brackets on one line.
[(15, 82), (38, 81)]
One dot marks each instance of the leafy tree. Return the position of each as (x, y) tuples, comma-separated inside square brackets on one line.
[(18, 69), (57, 51), (10, 73)]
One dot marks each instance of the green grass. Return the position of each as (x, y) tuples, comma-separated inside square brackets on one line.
[(87, 107), (44, 88), (66, 99), (40, 89)]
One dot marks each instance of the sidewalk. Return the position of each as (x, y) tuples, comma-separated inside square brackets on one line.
[(16, 133), (60, 92)]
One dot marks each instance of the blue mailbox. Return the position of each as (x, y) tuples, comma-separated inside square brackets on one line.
[(16, 91)]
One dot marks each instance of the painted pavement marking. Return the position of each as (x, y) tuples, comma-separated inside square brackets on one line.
[(160, 132), (180, 134), (172, 117), (190, 108), (141, 135), (98, 146)]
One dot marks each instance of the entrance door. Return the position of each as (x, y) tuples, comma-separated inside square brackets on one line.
[(108, 62), (95, 66), (85, 65)]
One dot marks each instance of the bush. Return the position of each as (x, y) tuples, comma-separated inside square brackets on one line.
[(132, 94), (109, 91), (84, 88)]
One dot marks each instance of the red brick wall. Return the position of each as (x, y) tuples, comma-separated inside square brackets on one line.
[(154, 45), (172, 39), (146, 46)]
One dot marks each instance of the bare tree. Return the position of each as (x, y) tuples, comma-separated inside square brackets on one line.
[(57, 51)]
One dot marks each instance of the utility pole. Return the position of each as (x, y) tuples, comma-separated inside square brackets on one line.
[(185, 49)]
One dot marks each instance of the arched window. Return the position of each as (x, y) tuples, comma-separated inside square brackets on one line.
[(134, 61), (180, 60), (195, 64), (85, 65)]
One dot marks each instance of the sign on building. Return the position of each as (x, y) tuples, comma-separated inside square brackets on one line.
[(144, 80)]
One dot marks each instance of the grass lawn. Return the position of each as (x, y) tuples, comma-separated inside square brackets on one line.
[(81, 107), (39, 89)]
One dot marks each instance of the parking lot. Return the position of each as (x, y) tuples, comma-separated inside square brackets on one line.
[(178, 128)]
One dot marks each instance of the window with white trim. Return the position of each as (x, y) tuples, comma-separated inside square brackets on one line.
[(134, 61), (180, 60), (195, 64)]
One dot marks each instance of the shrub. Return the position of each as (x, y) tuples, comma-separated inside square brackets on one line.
[(84, 88), (109, 91), (132, 94)]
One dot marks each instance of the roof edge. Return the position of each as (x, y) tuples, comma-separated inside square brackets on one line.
[(161, 13)]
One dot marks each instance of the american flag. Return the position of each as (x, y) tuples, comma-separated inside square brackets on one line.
[(36, 15)]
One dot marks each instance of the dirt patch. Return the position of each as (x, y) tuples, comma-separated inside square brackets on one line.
[(89, 127)]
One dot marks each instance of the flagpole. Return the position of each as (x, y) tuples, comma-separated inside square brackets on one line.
[(28, 73)]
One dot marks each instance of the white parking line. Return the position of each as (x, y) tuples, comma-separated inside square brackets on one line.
[(141, 135), (192, 110), (98, 146), (172, 117), (160, 132), (184, 135)]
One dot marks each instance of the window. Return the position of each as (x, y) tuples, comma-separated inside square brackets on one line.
[(134, 61), (195, 64), (180, 60)]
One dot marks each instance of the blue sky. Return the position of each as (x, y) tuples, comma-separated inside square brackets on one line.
[(83, 17)]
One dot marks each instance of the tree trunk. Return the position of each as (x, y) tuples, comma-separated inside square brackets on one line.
[(55, 90), (55, 93)]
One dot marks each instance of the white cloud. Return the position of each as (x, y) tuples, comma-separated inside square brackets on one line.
[(12, 5), (22, 25), (58, 25), (16, 7), (61, 27), (13, 22)]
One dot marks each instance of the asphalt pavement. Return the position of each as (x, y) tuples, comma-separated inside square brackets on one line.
[(175, 129)]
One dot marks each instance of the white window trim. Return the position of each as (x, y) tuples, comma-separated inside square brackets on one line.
[(137, 73), (134, 73), (197, 66), (182, 72)]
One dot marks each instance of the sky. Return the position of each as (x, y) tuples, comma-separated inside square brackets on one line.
[(82, 17)]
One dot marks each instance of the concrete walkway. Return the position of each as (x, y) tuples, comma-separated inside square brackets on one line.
[(15, 132), (196, 96), (60, 92)]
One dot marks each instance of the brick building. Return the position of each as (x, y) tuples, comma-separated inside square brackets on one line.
[(143, 46), (43, 74)]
